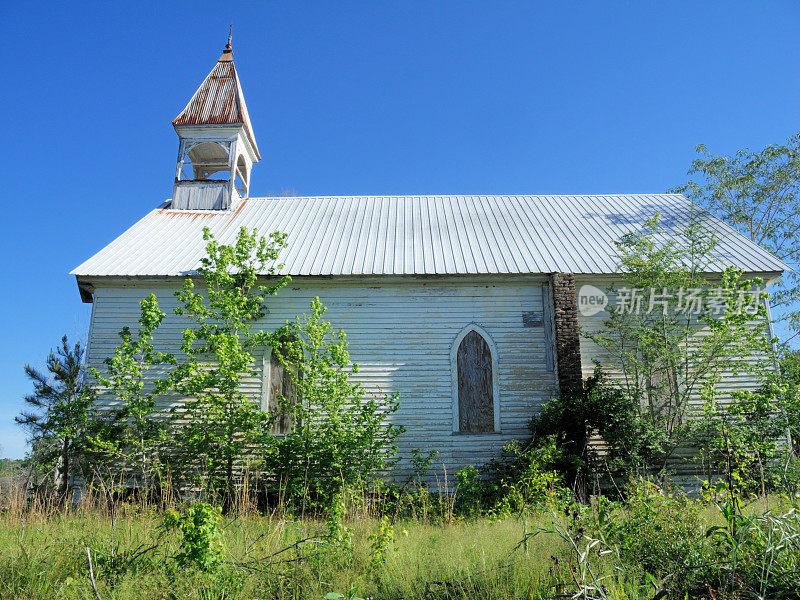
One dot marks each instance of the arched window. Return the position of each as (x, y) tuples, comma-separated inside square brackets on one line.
[(278, 386), (475, 401)]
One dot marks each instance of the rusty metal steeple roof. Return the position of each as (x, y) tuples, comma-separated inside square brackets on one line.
[(219, 99)]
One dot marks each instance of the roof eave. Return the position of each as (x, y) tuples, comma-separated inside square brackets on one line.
[(85, 289)]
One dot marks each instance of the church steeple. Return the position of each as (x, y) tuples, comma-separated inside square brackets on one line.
[(217, 146)]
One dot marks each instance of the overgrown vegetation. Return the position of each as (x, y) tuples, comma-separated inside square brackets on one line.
[(220, 424), (790, 374), (653, 544), (676, 340), (192, 487), (129, 439), (338, 436), (183, 424)]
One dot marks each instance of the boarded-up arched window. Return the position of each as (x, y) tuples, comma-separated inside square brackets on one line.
[(476, 410), (278, 384)]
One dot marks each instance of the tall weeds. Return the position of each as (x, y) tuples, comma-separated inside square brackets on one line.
[(622, 550)]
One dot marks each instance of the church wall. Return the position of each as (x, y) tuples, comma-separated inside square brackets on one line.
[(401, 333), (685, 464), (591, 353)]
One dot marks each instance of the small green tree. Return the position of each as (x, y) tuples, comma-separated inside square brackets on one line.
[(339, 435), (218, 424), (201, 543), (790, 371), (744, 439), (140, 429), (59, 411), (758, 193), (678, 335), (739, 431)]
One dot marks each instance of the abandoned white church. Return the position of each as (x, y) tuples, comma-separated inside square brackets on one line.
[(425, 286)]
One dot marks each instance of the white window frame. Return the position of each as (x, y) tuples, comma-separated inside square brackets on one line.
[(454, 379)]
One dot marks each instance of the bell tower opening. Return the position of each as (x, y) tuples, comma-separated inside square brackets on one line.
[(203, 161), (217, 147), (242, 178)]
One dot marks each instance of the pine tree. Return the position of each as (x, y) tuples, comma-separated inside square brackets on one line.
[(58, 412)]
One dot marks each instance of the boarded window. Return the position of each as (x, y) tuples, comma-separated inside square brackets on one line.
[(280, 389), (475, 384)]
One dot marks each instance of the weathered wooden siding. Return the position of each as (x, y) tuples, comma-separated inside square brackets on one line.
[(592, 354), (684, 464), (401, 333)]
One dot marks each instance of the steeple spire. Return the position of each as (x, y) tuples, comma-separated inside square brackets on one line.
[(227, 54), (219, 99)]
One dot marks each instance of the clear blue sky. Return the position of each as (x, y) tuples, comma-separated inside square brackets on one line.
[(351, 98)]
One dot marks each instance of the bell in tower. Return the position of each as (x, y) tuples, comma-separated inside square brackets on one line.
[(217, 147)]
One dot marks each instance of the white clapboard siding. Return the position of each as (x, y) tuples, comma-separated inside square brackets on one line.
[(591, 353), (401, 332), (685, 463)]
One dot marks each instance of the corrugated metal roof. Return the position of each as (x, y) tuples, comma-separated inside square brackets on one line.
[(219, 101), (419, 235)]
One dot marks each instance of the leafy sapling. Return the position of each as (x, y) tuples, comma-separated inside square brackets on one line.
[(201, 543), (336, 533), (382, 543), (668, 349), (222, 425), (339, 435)]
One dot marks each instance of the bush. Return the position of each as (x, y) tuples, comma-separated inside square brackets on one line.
[(471, 491), (567, 423), (659, 531), (526, 477), (200, 544), (523, 477)]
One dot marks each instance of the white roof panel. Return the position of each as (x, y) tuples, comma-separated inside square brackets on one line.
[(419, 235)]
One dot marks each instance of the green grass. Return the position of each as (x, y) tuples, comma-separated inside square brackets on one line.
[(470, 559), (43, 556)]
